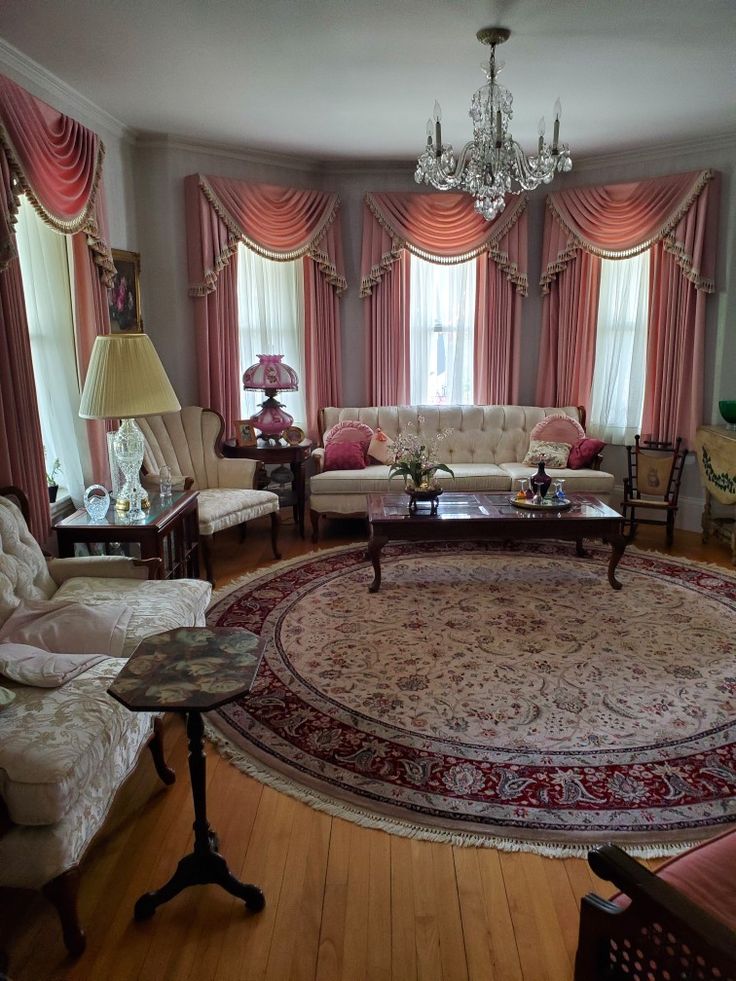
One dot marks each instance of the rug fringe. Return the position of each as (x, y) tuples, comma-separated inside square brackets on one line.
[(406, 829)]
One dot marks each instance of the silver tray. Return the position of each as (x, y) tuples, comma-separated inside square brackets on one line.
[(546, 505)]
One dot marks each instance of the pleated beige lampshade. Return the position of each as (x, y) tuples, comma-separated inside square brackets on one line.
[(125, 378)]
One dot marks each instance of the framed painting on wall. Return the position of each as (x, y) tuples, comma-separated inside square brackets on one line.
[(124, 296)]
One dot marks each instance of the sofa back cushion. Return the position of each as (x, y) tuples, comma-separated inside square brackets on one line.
[(23, 571), (480, 433)]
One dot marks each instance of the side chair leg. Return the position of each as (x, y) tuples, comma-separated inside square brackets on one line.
[(670, 527), (275, 526), (156, 746), (314, 515), (243, 528), (62, 892)]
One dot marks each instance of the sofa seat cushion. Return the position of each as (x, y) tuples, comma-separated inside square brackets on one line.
[(157, 605), (55, 742), (374, 480), (576, 481), (221, 507)]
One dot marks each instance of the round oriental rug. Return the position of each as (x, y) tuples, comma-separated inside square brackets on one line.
[(494, 695)]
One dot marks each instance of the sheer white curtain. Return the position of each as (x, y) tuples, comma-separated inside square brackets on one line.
[(44, 268), (271, 321), (441, 324), (617, 396)]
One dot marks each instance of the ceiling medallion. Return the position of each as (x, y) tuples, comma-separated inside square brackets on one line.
[(492, 164)]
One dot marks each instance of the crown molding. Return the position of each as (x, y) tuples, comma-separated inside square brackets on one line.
[(48, 87), (272, 158), (714, 143)]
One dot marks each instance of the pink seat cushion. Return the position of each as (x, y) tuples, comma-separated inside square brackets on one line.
[(344, 456), (584, 452), (705, 874)]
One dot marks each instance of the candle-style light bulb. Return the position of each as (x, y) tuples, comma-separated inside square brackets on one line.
[(556, 134), (437, 127), (541, 127), (430, 129), (438, 112)]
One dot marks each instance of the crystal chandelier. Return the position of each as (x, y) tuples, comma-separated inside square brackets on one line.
[(492, 164)]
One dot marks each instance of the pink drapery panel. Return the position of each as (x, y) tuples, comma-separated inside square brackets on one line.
[(675, 213), (57, 163), (279, 223), (445, 228), (21, 445)]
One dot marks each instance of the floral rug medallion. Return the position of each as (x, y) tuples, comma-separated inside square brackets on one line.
[(503, 696)]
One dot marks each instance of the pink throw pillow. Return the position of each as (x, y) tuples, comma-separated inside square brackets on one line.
[(558, 428), (344, 456), (584, 452)]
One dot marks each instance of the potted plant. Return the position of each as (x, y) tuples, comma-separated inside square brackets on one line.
[(51, 479), (415, 459)]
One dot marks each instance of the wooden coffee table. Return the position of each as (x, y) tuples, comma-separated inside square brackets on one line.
[(487, 517)]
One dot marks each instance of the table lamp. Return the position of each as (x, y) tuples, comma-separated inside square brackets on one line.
[(125, 379), (273, 377)]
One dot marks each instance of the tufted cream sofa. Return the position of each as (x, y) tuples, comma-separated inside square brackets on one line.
[(65, 751), (485, 451)]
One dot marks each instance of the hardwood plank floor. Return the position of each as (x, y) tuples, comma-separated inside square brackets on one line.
[(344, 903)]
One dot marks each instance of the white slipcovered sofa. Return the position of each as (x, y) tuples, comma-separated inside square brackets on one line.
[(65, 751), (485, 451)]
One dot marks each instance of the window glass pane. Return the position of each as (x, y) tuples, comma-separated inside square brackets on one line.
[(617, 396), (441, 329), (46, 288), (271, 321)]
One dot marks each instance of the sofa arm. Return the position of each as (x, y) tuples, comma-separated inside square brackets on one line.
[(103, 566), (233, 472), (318, 457)]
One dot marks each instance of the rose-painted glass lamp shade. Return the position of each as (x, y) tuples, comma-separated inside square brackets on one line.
[(273, 377)]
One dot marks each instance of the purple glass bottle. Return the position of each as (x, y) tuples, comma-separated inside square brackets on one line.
[(541, 480)]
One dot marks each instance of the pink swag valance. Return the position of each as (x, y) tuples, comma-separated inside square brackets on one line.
[(280, 223), (675, 217), (57, 163), (442, 228)]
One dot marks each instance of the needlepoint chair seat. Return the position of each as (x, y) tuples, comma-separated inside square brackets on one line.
[(653, 484)]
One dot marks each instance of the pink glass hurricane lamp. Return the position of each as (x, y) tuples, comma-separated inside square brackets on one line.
[(273, 377)]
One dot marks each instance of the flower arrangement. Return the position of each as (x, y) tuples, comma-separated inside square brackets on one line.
[(415, 458)]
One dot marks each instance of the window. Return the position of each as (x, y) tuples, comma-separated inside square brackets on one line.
[(271, 321), (441, 331), (617, 396), (44, 265)]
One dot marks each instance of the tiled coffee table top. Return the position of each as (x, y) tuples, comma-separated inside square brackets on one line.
[(195, 668)]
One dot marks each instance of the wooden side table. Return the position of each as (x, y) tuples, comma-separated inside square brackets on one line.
[(192, 670), (169, 532), (295, 455), (715, 447)]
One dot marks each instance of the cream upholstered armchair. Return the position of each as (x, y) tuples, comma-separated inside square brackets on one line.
[(188, 443)]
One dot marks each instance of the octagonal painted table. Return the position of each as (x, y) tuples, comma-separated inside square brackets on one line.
[(192, 670)]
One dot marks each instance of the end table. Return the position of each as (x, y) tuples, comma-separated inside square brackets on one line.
[(192, 670), (295, 454)]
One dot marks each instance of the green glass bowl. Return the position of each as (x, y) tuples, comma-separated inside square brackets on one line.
[(728, 411)]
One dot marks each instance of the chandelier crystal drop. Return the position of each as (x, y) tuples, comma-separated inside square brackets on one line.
[(492, 164)]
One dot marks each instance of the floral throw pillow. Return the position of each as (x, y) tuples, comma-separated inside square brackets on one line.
[(553, 454)]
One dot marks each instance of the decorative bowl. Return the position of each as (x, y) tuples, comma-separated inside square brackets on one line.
[(728, 411)]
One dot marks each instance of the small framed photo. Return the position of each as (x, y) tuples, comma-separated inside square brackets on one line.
[(245, 434), (124, 296), (293, 435)]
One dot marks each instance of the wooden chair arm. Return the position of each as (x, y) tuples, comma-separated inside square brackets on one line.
[(655, 910)]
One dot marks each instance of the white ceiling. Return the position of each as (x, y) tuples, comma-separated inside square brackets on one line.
[(357, 79)]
